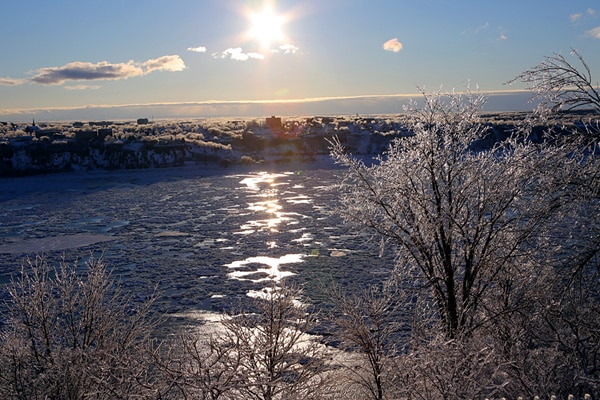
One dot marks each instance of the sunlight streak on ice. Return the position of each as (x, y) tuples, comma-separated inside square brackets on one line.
[(272, 269), (255, 182)]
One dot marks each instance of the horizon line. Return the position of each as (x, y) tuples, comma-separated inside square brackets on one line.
[(22, 112)]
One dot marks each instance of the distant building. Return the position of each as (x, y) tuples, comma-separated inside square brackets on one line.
[(85, 136), (142, 121), (100, 123), (274, 123), (33, 128)]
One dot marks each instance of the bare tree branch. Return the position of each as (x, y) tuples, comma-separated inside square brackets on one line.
[(559, 85)]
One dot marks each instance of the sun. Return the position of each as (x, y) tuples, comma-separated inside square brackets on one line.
[(267, 27)]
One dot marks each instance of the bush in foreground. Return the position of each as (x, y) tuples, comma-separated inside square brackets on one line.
[(265, 355), (73, 335)]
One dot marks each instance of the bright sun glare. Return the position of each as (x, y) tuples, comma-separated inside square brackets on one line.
[(266, 27)]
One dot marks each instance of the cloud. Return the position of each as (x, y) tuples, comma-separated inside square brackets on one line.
[(236, 53), (199, 49), (287, 49), (575, 17), (84, 71), (345, 105), (87, 71), (502, 36), (172, 63), (82, 87), (393, 45), (477, 30), (482, 27), (594, 33), (11, 81)]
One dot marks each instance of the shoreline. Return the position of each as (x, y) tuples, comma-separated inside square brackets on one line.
[(223, 145), (15, 186)]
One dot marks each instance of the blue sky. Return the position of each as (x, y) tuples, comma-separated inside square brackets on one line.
[(214, 57)]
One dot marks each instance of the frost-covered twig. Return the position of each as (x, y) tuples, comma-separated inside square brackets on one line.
[(559, 85)]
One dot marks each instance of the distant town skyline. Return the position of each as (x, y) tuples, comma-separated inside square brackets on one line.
[(70, 60)]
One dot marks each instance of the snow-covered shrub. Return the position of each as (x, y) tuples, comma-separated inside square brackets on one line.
[(72, 335)]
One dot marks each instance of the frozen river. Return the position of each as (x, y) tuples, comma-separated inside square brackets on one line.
[(203, 238)]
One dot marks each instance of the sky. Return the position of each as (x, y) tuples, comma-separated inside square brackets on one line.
[(120, 59)]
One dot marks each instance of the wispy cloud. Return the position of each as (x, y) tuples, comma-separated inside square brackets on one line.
[(199, 49), (577, 16), (594, 33), (104, 70), (393, 45), (502, 36), (11, 81), (236, 53), (286, 49), (477, 30), (82, 87), (482, 27), (516, 100)]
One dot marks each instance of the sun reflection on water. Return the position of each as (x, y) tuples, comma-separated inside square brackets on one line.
[(267, 211), (256, 182), (270, 268), (265, 186)]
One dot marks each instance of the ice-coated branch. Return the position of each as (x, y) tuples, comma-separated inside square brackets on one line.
[(560, 85)]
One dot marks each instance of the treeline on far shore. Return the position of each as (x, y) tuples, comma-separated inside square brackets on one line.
[(28, 149)]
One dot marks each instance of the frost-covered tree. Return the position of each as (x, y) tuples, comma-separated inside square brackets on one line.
[(568, 337), (277, 357), (464, 222), (198, 365), (488, 238), (369, 324), (264, 355)]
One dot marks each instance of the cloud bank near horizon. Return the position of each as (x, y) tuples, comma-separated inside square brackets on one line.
[(362, 105)]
